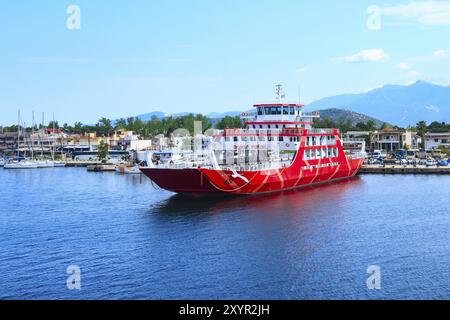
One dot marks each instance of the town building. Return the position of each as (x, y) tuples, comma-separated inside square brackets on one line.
[(435, 140), (390, 140)]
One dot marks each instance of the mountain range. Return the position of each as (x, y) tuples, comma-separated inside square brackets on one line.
[(400, 105), (161, 115), (395, 104)]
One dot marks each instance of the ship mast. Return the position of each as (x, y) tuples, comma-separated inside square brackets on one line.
[(280, 93)]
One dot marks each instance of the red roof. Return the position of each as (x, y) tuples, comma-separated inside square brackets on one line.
[(56, 131), (279, 105)]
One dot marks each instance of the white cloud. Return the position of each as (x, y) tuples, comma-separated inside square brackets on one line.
[(413, 74), (440, 54), (371, 55), (432, 108), (302, 69), (403, 66), (432, 13)]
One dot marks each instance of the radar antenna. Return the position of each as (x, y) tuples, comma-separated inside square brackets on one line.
[(280, 93)]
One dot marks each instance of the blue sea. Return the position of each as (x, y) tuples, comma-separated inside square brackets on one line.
[(132, 241)]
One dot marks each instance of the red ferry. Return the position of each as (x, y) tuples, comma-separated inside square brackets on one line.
[(278, 150)]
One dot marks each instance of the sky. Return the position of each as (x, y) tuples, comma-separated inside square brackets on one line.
[(85, 59)]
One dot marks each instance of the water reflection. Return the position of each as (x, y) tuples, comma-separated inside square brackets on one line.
[(303, 199)]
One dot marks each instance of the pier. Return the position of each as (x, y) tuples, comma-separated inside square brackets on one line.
[(401, 169)]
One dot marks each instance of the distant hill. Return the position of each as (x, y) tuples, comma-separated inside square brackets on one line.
[(332, 114), (161, 115), (395, 104), (355, 117)]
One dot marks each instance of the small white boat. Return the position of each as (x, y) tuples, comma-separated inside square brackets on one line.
[(43, 164), (127, 169), (2, 163), (132, 170), (59, 164), (21, 165)]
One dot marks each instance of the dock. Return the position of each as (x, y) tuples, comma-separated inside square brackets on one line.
[(101, 168), (401, 169), (83, 164)]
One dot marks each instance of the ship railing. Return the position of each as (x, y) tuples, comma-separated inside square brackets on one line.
[(350, 140), (321, 131), (263, 132), (311, 114)]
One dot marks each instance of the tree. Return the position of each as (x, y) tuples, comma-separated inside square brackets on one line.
[(230, 123), (421, 130), (102, 151), (78, 128), (52, 124), (121, 123), (371, 125), (104, 127)]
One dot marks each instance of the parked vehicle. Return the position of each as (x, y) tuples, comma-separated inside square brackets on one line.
[(443, 163), (431, 163), (378, 154), (402, 162)]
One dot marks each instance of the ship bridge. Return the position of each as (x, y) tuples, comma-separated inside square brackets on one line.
[(279, 116)]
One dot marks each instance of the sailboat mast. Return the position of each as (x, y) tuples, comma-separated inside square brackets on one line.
[(32, 135), (52, 147), (18, 134), (40, 139)]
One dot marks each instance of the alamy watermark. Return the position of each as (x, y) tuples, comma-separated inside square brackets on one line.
[(74, 20), (374, 19), (374, 280), (74, 279)]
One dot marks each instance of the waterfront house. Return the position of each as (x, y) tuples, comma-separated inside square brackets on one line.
[(390, 140), (434, 140)]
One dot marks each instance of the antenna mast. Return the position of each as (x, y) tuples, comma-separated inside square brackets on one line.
[(280, 93)]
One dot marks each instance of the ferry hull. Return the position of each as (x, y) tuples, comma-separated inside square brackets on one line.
[(207, 181)]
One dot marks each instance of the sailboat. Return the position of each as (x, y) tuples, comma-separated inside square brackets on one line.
[(24, 164)]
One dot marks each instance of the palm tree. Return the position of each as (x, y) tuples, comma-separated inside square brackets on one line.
[(421, 130)]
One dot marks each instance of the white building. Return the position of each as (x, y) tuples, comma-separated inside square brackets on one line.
[(435, 140), (138, 145)]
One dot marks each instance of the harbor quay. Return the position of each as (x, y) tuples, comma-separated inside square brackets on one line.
[(406, 169)]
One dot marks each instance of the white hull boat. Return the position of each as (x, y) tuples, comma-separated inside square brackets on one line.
[(123, 169), (21, 165), (59, 164)]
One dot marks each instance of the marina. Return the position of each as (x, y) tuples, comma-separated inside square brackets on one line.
[(399, 169)]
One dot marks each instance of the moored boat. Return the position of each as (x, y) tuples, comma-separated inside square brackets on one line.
[(128, 169), (20, 165), (278, 150)]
